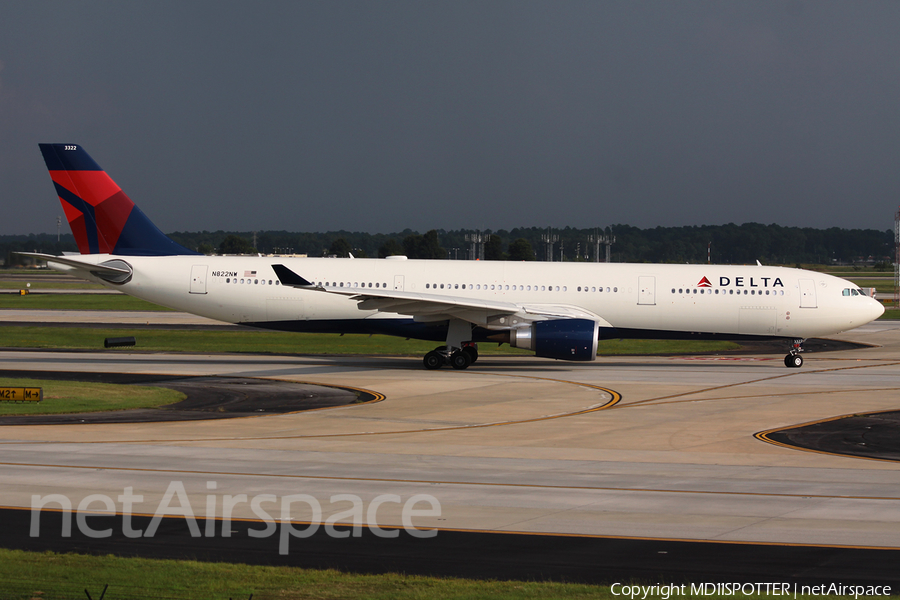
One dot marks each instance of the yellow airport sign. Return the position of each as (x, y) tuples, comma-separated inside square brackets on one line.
[(21, 394)]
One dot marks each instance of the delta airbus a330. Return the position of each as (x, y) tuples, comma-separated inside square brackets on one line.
[(558, 310)]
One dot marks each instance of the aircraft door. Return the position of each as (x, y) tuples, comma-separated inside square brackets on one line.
[(647, 290), (198, 279), (807, 293), (398, 282)]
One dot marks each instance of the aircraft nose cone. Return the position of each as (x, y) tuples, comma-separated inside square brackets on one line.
[(877, 309)]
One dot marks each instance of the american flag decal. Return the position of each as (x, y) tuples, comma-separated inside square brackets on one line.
[(249, 273)]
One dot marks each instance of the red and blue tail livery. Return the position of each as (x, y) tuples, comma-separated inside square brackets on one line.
[(102, 217)]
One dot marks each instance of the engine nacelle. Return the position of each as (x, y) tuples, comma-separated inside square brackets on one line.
[(564, 339)]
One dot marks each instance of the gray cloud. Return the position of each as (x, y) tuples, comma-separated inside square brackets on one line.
[(382, 116)]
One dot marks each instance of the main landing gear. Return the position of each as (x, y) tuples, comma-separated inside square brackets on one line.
[(793, 359), (458, 358), (459, 352)]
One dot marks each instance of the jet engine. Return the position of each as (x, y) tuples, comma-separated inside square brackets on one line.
[(564, 339)]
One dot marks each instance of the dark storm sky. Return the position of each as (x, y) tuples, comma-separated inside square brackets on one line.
[(378, 116)]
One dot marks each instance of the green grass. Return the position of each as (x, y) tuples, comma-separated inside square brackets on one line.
[(52, 576), (76, 302), (73, 396), (848, 273), (883, 286), (275, 342), (37, 284), (644, 347), (28, 271)]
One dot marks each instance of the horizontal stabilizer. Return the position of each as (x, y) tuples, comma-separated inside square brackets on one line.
[(78, 264)]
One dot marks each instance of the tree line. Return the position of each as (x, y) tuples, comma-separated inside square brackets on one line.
[(724, 244)]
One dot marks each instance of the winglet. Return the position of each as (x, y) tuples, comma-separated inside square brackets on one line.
[(289, 278)]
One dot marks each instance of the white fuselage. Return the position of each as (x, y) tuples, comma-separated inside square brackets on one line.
[(634, 300)]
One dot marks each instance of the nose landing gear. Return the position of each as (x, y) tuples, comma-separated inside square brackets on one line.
[(793, 360)]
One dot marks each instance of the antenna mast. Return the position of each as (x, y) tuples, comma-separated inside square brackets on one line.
[(897, 259)]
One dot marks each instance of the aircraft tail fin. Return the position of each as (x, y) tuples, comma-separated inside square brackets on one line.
[(103, 219)]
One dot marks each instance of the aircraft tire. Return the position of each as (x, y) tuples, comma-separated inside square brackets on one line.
[(793, 361), (473, 354), (460, 360), (433, 360)]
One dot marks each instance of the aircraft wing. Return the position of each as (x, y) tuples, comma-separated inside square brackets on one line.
[(80, 264), (494, 314)]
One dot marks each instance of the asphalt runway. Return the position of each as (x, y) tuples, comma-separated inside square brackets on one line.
[(625, 458)]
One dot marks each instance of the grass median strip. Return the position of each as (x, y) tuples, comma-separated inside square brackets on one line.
[(62, 397), (76, 302)]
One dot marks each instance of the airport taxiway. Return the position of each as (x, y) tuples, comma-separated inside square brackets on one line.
[(645, 447)]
